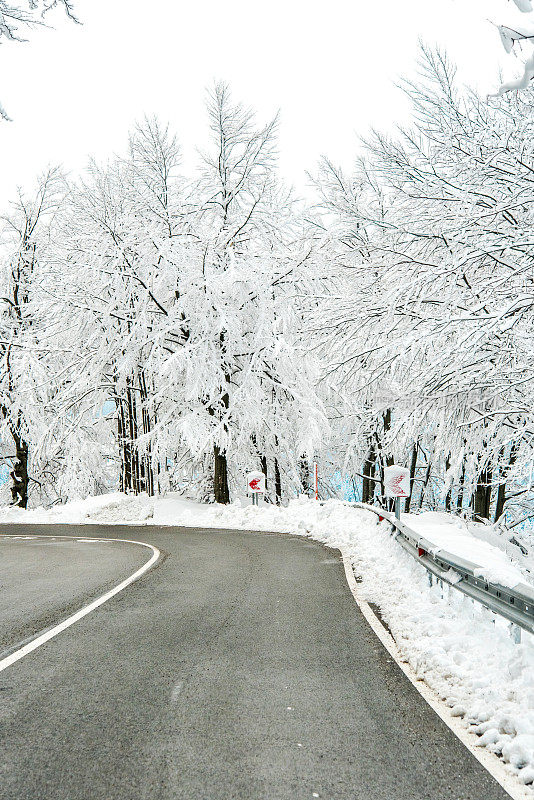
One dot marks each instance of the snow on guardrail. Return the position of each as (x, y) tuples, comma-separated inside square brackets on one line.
[(473, 567)]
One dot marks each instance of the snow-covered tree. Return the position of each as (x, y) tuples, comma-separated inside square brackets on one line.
[(247, 267), (434, 237), (24, 387), (184, 293)]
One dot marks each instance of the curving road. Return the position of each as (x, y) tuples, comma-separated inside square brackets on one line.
[(239, 668), (43, 580)]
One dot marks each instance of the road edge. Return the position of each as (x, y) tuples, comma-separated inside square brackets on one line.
[(489, 761)]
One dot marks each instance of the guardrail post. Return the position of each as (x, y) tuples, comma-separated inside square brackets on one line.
[(515, 632), (429, 577)]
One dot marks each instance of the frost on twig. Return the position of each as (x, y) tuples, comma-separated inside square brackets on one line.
[(13, 18), (520, 83), (3, 114), (509, 38)]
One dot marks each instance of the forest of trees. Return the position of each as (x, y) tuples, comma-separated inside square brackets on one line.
[(168, 330)]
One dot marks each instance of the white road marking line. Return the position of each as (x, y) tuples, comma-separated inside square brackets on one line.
[(45, 637), (489, 761)]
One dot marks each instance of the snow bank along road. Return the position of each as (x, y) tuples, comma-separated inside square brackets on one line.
[(239, 667)]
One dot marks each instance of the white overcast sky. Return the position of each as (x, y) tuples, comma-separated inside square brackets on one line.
[(329, 66)]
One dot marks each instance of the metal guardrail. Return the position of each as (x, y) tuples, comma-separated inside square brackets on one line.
[(514, 604)]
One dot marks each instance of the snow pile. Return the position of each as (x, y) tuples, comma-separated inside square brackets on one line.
[(109, 509), (453, 535)]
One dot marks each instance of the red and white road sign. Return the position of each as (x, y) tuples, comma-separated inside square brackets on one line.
[(256, 482), (397, 481)]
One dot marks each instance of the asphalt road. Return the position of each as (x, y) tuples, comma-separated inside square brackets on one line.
[(239, 668), (44, 580)]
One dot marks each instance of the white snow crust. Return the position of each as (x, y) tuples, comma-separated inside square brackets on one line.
[(453, 535)]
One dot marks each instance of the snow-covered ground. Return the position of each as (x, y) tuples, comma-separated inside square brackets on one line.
[(461, 652)]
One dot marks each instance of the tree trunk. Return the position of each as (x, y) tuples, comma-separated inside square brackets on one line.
[(368, 485), (501, 491), (304, 475), (481, 500), (220, 476), (448, 496), (460, 495), (125, 450), (426, 481), (413, 467), (384, 460), (19, 475), (147, 469), (132, 428), (499, 504), (387, 425), (263, 461), (277, 482)]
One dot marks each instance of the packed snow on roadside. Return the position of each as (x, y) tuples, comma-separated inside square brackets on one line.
[(455, 646), (111, 509), (453, 534)]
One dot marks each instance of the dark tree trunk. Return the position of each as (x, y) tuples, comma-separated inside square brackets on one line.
[(413, 467), (221, 490), (384, 460), (501, 491), (277, 482), (304, 468), (368, 485), (481, 500), (426, 481), (387, 426), (147, 469), (120, 441), (132, 429), (19, 474), (264, 470), (125, 450), (220, 476), (460, 495), (448, 496), (499, 503)]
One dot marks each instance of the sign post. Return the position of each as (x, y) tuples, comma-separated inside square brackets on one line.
[(255, 485), (397, 485)]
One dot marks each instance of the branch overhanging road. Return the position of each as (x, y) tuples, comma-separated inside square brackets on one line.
[(238, 668)]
